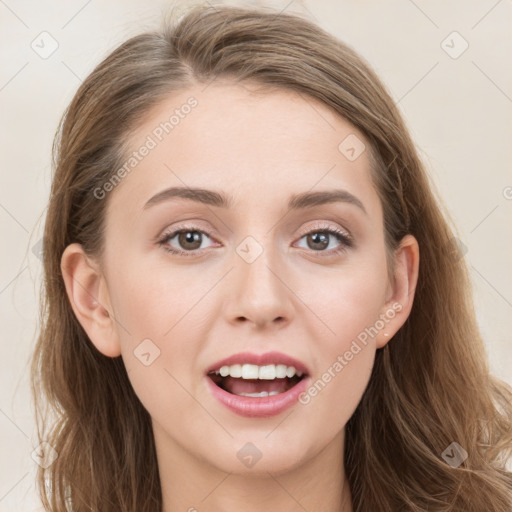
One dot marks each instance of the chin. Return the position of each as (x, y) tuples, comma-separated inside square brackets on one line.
[(257, 454)]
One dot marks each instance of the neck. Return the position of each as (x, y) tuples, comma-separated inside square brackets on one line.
[(189, 484)]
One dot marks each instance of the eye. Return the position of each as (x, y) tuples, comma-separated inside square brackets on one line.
[(188, 240), (319, 240)]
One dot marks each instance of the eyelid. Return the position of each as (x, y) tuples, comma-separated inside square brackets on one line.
[(185, 227), (323, 225)]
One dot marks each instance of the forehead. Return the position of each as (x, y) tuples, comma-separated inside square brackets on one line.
[(254, 143)]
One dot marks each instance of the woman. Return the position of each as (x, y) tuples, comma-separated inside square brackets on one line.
[(252, 298)]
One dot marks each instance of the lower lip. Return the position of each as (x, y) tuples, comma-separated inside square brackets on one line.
[(263, 407)]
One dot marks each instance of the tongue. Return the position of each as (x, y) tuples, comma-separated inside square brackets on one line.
[(239, 386)]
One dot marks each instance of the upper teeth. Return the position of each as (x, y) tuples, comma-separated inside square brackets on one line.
[(253, 371)]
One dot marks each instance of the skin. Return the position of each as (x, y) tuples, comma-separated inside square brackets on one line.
[(260, 148)]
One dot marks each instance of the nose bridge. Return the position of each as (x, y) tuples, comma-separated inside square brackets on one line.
[(259, 292)]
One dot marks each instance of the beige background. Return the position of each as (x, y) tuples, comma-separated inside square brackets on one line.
[(458, 110)]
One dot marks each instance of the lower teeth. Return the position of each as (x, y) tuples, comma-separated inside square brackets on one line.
[(260, 395)]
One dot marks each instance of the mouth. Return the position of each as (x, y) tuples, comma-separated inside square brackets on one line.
[(256, 381), (258, 385)]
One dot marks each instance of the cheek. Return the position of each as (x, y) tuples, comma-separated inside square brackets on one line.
[(351, 314), (161, 322), (344, 353), (153, 301), (349, 301), (333, 395)]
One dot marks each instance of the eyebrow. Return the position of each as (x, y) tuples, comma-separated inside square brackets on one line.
[(296, 201)]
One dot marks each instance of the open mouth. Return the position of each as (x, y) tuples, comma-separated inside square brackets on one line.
[(256, 381)]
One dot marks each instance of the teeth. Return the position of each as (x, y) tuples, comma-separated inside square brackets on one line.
[(267, 372), (260, 395), (249, 371), (281, 371), (252, 371), (235, 370)]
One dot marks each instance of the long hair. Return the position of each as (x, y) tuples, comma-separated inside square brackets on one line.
[(430, 386)]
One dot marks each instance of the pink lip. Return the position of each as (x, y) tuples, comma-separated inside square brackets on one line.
[(260, 360), (259, 407), (264, 407)]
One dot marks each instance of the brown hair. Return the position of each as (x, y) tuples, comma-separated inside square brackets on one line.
[(430, 385)]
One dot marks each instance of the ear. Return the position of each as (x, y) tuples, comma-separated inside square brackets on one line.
[(400, 293), (88, 294)]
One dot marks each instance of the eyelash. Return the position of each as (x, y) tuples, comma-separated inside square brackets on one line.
[(343, 237)]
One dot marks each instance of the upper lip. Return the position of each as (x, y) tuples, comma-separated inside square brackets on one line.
[(260, 360)]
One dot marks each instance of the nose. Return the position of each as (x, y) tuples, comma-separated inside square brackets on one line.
[(259, 294)]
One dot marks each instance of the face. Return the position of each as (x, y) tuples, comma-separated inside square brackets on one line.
[(262, 270)]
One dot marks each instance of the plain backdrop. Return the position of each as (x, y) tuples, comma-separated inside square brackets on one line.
[(444, 62)]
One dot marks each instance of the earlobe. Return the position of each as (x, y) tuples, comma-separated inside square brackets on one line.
[(88, 295), (401, 297)]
